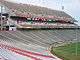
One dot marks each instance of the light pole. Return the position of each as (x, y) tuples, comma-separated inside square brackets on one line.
[(76, 42)]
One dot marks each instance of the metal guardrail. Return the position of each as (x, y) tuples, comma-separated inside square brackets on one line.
[(62, 42)]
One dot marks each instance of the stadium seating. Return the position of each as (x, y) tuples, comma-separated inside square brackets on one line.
[(35, 44), (42, 37), (36, 41), (36, 11)]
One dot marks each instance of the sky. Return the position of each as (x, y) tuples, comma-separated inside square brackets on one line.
[(71, 7)]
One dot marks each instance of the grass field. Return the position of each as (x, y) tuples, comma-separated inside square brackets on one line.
[(67, 51)]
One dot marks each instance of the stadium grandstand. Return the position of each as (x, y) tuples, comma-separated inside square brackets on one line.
[(28, 31)]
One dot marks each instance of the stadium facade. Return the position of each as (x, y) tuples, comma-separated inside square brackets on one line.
[(42, 28)]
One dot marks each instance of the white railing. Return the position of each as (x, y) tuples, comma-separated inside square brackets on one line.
[(14, 23)]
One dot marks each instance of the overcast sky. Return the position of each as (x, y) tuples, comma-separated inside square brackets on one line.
[(71, 7)]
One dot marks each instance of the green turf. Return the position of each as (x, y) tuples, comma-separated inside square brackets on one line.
[(67, 51)]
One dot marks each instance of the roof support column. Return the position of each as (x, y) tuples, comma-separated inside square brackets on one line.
[(1, 17)]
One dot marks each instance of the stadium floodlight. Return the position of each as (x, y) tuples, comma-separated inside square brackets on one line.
[(62, 7)]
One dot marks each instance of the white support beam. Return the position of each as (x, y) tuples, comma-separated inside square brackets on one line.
[(1, 17)]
